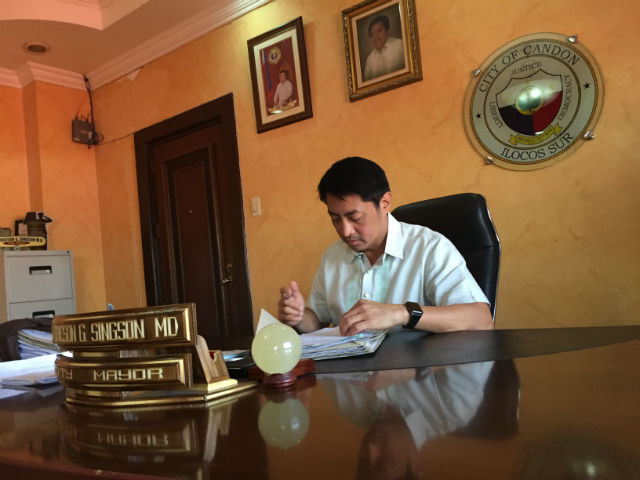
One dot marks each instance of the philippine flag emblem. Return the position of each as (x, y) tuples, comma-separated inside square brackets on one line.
[(528, 105)]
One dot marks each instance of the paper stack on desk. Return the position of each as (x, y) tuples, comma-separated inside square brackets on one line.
[(328, 343), (34, 343), (35, 375)]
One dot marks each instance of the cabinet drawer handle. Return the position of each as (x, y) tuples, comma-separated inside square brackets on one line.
[(44, 313), (41, 270)]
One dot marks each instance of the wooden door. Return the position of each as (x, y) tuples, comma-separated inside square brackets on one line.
[(192, 218)]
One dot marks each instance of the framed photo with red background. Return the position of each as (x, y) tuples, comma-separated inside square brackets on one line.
[(279, 76)]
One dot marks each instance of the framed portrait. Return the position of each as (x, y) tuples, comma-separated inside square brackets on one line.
[(381, 46), (279, 76)]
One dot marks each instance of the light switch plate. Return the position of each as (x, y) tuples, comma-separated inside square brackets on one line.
[(256, 209)]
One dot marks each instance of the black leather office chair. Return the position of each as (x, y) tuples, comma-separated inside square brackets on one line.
[(464, 219)]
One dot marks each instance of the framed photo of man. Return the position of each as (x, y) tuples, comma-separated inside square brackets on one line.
[(381, 46), (279, 76)]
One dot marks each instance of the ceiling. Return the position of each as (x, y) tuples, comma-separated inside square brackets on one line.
[(104, 39)]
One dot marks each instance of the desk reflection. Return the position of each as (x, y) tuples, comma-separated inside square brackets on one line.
[(577, 417), (173, 441), (162, 441), (283, 424), (401, 410)]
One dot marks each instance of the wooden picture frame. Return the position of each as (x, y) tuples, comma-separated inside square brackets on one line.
[(279, 76), (381, 54)]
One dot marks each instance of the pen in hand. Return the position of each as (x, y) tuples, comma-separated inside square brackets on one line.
[(286, 295), (291, 304)]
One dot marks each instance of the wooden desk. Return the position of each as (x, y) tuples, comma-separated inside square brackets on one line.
[(549, 403)]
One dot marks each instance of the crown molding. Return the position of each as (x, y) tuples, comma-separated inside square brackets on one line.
[(170, 40), (31, 71), (139, 56), (96, 14), (8, 78)]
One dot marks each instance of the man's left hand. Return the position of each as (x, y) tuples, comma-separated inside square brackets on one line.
[(369, 315)]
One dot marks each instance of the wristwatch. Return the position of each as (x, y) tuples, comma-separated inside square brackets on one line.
[(415, 311)]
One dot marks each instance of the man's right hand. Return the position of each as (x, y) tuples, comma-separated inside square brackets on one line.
[(291, 305)]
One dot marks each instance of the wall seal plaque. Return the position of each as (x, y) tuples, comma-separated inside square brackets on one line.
[(533, 101)]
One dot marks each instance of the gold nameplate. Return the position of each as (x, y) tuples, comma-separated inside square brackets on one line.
[(172, 325), (199, 394), (143, 357), (160, 372)]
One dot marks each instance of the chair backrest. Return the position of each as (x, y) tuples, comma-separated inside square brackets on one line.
[(464, 219)]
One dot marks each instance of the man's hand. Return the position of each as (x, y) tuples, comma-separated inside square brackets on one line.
[(291, 305), (368, 315)]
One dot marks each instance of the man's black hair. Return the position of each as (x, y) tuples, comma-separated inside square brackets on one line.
[(354, 175), (380, 19)]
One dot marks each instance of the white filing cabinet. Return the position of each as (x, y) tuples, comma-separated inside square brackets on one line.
[(36, 283)]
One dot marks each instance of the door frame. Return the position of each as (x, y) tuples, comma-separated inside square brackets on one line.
[(219, 112)]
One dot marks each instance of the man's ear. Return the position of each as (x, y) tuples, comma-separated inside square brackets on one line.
[(385, 202)]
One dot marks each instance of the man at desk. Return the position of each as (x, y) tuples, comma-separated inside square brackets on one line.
[(382, 273)]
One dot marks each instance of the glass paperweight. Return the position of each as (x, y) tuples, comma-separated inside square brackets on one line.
[(276, 350)]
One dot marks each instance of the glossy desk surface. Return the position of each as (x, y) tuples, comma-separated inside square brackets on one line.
[(531, 404)]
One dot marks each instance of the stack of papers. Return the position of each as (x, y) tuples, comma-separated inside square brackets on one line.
[(328, 343), (235, 355), (35, 343), (35, 374), (323, 344)]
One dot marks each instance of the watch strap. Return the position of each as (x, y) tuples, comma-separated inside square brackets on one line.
[(415, 312)]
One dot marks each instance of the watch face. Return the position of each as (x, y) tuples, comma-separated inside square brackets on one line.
[(414, 308)]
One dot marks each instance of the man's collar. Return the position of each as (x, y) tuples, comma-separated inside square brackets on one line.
[(394, 238)]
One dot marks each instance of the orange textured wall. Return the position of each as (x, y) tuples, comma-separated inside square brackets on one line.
[(42, 169), (70, 190), (120, 224), (570, 232), (32, 144), (14, 188)]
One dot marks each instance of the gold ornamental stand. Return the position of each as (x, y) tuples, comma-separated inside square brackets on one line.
[(139, 357)]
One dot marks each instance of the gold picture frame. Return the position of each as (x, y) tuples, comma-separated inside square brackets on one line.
[(279, 57), (382, 46)]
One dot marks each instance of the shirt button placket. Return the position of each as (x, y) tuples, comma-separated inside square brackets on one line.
[(367, 284)]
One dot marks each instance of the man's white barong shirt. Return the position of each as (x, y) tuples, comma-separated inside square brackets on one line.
[(418, 265)]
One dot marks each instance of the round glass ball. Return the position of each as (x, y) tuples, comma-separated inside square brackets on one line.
[(276, 348)]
